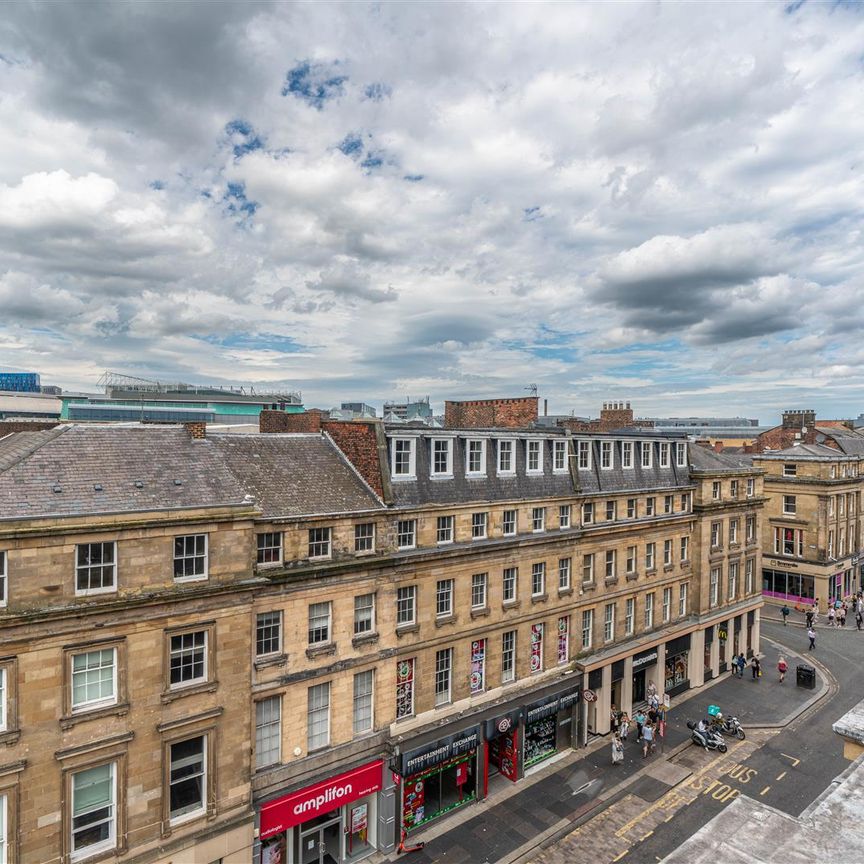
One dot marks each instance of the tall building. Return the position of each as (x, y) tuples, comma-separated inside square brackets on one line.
[(19, 382), (232, 647), (409, 410)]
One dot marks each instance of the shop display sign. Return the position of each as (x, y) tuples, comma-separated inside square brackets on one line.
[(359, 818), (501, 724), (283, 813), (646, 658), (551, 705), (478, 666), (589, 696), (536, 647), (421, 758)]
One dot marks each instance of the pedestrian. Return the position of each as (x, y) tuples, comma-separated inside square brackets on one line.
[(811, 635), (640, 723), (816, 611), (742, 662), (617, 750), (809, 616), (782, 667), (831, 614), (843, 615), (755, 667), (858, 618), (647, 739), (624, 727), (614, 720), (785, 613)]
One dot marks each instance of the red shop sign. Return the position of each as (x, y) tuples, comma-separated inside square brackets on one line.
[(323, 797)]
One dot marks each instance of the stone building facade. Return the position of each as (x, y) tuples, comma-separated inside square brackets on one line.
[(232, 647)]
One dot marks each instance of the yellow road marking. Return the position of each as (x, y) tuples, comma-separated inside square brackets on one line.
[(619, 857), (795, 761), (781, 776), (764, 790), (646, 836), (670, 817)]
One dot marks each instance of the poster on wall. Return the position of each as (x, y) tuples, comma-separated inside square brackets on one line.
[(359, 818), (415, 800), (273, 850), (404, 688), (478, 665), (563, 638)]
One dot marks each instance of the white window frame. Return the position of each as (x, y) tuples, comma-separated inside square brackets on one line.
[(362, 701), (563, 516), (609, 623), (751, 487), (91, 704), (732, 581), (479, 590), (714, 587), (607, 456), (587, 512), (479, 525), (681, 454), (650, 556), (584, 458), (667, 604), (611, 510), (650, 505), (411, 473), (4, 700), (259, 625), (508, 656), (632, 553), (183, 651), (194, 557), (110, 842), (514, 524), (611, 569), (4, 591), (4, 828), (538, 516), (790, 505), (313, 716), (448, 461), (481, 471), (749, 573), (664, 454), (89, 567), (320, 623), (363, 538), (180, 818), (264, 734), (685, 548), (400, 533), (667, 552), (668, 504), (559, 457), (323, 531), (509, 578), (587, 628), (404, 601), (626, 454), (565, 571), (629, 616), (682, 599), (364, 614), (646, 447), (632, 508), (533, 448), (265, 549), (733, 530), (445, 530), (649, 610), (510, 451), (588, 563), (443, 676), (538, 577)]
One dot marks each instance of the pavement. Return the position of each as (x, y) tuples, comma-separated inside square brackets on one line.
[(517, 822)]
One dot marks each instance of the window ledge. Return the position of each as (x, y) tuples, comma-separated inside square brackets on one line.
[(10, 737), (480, 612), (565, 592), (588, 586), (404, 629), (271, 660), (650, 571), (511, 604), (68, 721), (610, 580), (539, 598), (668, 568), (180, 692), (364, 639), (444, 620), (631, 577), (321, 650)]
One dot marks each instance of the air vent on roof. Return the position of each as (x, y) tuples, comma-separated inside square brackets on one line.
[(97, 487), (139, 484), (57, 487), (178, 482)]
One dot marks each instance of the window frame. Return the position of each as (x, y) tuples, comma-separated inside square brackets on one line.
[(629, 616), (265, 548), (206, 774), (564, 514), (93, 704), (400, 533), (510, 451), (411, 473), (790, 505), (583, 461), (410, 597), (360, 537), (646, 447), (607, 456), (609, 622), (193, 684), (470, 452), (681, 454), (363, 696), (195, 557), (559, 449), (479, 589), (534, 452), (505, 522), (538, 577), (667, 604), (90, 567), (649, 611), (535, 513), (110, 844), (510, 575), (362, 617), (315, 541), (565, 573), (267, 723), (259, 639), (445, 530), (448, 457), (443, 680), (508, 672), (587, 629), (4, 582), (682, 599), (314, 626), (479, 525), (663, 455), (444, 598), (312, 744), (627, 454)]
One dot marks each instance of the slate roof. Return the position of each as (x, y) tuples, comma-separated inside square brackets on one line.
[(491, 486), (850, 443), (294, 474), (705, 459), (57, 471), (803, 450)]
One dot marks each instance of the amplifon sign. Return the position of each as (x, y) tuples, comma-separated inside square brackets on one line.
[(283, 813)]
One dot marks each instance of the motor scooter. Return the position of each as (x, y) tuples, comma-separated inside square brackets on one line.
[(708, 740), (731, 726)]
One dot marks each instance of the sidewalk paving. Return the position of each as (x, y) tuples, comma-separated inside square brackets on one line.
[(497, 829), (798, 619)]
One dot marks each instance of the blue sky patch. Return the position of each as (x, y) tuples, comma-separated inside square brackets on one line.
[(314, 83), (237, 203), (351, 144), (532, 214), (158, 185), (242, 137), (254, 342), (377, 92), (414, 178)]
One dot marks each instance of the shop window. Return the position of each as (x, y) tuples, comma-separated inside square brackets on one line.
[(508, 656), (676, 670), (540, 736), (404, 688), (269, 548), (443, 673), (363, 701), (439, 790), (537, 647), (563, 638), (477, 678)]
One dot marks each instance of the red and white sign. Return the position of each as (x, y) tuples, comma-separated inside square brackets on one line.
[(283, 813), (589, 696)]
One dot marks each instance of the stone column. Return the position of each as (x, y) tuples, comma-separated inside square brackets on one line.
[(660, 671), (627, 687), (696, 659), (604, 702), (756, 629), (715, 654)]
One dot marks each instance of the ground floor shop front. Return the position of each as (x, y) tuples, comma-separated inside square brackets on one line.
[(442, 774), (668, 667), (799, 584), (331, 822)]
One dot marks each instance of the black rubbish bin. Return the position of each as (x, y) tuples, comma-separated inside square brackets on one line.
[(805, 676)]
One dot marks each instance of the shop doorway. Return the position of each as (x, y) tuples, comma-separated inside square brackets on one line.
[(320, 844), (503, 758), (638, 687)]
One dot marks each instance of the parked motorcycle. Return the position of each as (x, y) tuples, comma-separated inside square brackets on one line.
[(709, 740), (731, 726)]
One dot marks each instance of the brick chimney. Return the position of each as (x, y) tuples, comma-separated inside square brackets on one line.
[(615, 415), (197, 429), (516, 413), (281, 421)]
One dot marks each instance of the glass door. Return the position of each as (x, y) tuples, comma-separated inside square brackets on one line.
[(320, 845)]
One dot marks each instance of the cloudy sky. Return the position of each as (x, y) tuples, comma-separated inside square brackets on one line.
[(645, 201)]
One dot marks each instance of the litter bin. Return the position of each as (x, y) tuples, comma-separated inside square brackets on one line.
[(805, 676)]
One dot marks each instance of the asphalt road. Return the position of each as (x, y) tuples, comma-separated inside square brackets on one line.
[(795, 766)]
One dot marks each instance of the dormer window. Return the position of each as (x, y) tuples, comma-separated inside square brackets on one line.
[(626, 454), (664, 454), (559, 455), (403, 457), (584, 455), (790, 469), (681, 455), (476, 461), (442, 457), (606, 455), (506, 462), (646, 454), (534, 457)]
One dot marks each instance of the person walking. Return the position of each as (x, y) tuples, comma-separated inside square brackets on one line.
[(782, 666), (640, 724), (742, 663), (647, 739), (617, 750), (624, 727), (755, 667), (614, 720), (843, 615), (831, 615), (811, 635), (809, 616), (858, 618), (785, 613)]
